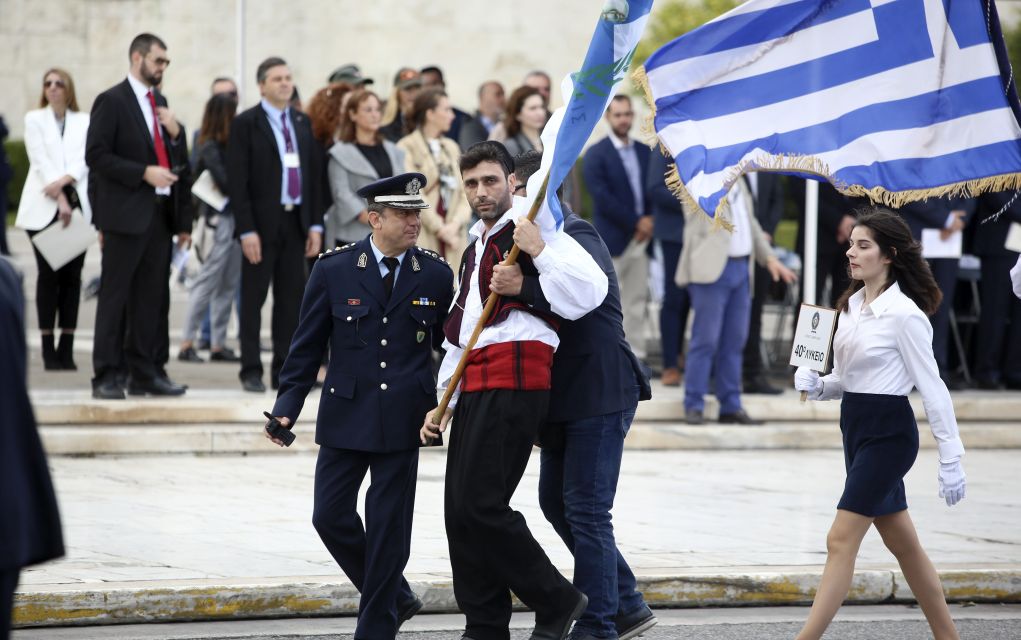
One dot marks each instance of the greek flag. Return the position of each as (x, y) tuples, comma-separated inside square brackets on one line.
[(898, 100), (589, 91)]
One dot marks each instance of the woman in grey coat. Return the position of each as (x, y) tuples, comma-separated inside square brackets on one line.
[(360, 157)]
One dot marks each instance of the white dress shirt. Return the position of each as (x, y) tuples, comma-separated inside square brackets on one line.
[(383, 269), (886, 348), (741, 238), (141, 94), (570, 279), (1015, 277)]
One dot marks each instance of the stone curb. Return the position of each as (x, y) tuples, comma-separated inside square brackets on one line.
[(225, 406), (207, 600), (233, 438)]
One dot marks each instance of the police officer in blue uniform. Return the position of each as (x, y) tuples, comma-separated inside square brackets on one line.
[(379, 305)]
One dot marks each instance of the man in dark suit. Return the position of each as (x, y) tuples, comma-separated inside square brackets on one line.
[(379, 304), (492, 102), (432, 77), (768, 190), (596, 385), (273, 168), (998, 352), (29, 521), (668, 230), (947, 216), (137, 155), (615, 173)]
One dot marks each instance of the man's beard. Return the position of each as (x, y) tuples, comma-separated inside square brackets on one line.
[(152, 77), (499, 208)]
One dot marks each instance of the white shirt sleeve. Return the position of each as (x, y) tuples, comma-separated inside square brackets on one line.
[(570, 278), (832, 389), (447, 367), (914, 341)]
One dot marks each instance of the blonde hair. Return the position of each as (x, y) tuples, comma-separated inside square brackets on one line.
[(72, 100)]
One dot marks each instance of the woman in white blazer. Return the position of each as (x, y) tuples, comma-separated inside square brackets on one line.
[(56, 188)]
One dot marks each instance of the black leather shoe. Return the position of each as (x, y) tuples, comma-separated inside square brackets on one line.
[(635, 623), (224, 355), (694, 417), (158, 386), (407, 610), (253, 384), (738, 417), (758, 384), (189, 355), (558, 628), (108, 391)]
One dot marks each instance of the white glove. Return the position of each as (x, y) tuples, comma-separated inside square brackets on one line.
[(807, 380), (951, 482)]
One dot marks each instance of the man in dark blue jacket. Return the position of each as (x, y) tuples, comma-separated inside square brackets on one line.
[(29, 520), (668, 230), (949, 217), (379, 304), (614, 171), (596, 384)]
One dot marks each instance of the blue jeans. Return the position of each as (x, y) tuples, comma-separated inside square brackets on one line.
[(718, 333), (577, 485)]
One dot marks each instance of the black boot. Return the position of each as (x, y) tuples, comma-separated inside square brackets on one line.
[(50, 360), (65, 352)]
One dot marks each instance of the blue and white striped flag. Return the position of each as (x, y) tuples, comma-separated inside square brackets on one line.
[(898, 100), (588, 92)]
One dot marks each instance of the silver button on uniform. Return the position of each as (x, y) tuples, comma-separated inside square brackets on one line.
[(383, 342), (382, 365), (385, 320), (383, 386), (349, 318), (331, 389)]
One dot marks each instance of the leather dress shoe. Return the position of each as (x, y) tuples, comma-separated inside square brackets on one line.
[(671, 377), (407, 610), (635, 623), (253, 384), (189, 355), (224, 355), (739, 417), (108, 390), (759, 384), (559, 627), (158, 386), (694, 417)]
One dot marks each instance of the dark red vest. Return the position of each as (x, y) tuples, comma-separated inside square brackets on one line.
[(494, 251)]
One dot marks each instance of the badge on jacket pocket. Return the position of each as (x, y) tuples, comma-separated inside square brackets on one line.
[(420, 336)]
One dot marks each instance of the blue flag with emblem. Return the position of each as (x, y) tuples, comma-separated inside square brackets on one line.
[(897, 100), (588, 92)]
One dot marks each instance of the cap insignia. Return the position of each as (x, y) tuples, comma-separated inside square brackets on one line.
[(412, 187)]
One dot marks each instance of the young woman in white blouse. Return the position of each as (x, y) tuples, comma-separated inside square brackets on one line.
[(883, 349)]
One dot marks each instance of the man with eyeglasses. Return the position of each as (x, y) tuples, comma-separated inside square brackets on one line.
[(137, 155)]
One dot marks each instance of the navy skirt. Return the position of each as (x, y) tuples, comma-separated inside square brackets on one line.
[(880, 445)]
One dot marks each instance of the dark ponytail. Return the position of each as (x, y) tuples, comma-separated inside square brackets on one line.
[(907, 266)]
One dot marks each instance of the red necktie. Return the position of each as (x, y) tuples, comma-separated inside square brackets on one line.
[(161, 149)]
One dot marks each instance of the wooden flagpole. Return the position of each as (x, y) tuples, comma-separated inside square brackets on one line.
[(487, 311)]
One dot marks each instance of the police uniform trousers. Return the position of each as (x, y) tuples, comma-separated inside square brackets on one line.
[(8, 583), (373, 555), (880, 445), (283, 264), (132, 297), (492, 552)]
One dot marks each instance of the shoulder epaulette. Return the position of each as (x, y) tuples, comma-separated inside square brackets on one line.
[(338, 250), (433, 255)]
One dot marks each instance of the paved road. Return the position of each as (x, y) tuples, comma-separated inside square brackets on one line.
[(985, 622)]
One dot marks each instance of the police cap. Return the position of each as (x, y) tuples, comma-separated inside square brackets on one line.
[(399, 192)]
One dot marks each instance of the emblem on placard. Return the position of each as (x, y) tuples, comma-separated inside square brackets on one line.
[(815, 321), (363, 260), (420, 336)]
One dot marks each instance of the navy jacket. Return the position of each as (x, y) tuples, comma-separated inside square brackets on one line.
[(932, 213), (990, 236), (667, 213), (613, 201), (594, 369), (379, 384), (29, 520), (769, 198)]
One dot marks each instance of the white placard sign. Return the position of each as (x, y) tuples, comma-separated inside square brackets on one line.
[(813, 337)]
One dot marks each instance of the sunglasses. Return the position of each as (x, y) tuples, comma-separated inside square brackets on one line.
[(53, 83)]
